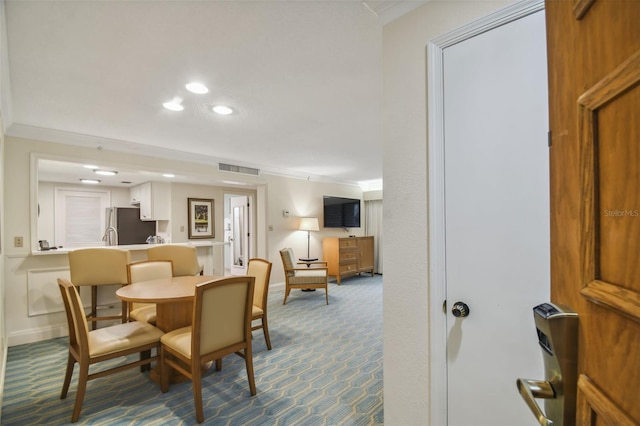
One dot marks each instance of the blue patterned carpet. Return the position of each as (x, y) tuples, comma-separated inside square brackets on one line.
[(325, 368)]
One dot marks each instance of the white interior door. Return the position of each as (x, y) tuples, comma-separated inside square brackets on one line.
[(239, 241), (496, 188)]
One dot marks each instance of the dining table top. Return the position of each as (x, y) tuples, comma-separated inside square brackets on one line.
[(164, 290)]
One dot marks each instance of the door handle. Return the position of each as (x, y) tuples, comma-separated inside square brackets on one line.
[(460, 309), (532, 389)]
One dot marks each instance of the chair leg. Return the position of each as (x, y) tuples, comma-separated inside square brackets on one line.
[(67, 376), (125, 312), (265, 330), (94, 306), (196, 382), (165, 369), (83, 376), (218, 364), (248, 360), (145, 355), (326, 295), (286, 294)]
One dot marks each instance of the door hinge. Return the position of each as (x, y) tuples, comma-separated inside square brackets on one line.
[(549, 139)]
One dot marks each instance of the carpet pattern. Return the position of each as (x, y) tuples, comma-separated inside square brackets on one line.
[(325, 368)]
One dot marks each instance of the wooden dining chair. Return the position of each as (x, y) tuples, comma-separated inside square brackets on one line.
[(221, 326), (146, 270), (311, 275), (96, 267), (184, 258), (91, 347), (260, 269)]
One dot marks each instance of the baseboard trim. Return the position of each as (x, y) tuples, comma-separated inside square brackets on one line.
[(37, 335)]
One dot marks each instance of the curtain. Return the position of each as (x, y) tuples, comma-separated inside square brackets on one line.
[(373, 226)]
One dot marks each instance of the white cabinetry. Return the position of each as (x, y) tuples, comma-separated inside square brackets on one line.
[(134, 194), (155, 200)]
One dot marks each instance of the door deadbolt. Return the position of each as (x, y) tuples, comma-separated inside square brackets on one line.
[(460, 309)]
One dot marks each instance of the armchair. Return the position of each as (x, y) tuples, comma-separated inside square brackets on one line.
[(313, 275)]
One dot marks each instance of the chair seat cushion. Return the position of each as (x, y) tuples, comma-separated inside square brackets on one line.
[(311, 276), (145, 314), (312, 273), (179, 339), (256, 311), (306, 280), (122, 336)]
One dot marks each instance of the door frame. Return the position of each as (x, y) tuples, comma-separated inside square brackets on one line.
[(249, 214), (436, 208)]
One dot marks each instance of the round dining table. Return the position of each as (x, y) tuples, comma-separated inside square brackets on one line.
[(173, 298)]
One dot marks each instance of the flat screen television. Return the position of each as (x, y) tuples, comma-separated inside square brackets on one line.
[(341, 212)]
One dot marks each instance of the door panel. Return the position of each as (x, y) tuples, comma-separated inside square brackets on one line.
[(594, 105), (239, 242), (496, 218)]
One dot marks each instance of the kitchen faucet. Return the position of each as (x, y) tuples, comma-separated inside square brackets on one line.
[(111, 241)]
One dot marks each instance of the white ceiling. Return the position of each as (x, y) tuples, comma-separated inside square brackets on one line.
[(305, 78)]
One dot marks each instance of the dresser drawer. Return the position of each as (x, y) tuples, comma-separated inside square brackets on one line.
[(352, 267), (346, 243), (348, 256)]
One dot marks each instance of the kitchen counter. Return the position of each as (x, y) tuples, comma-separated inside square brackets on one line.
[(131, 247)]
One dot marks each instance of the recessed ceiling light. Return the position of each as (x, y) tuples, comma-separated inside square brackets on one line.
[(90, 166), (168, 175), (198, 88), (105, 172), (173, 106), (222, 110), (91, 181)]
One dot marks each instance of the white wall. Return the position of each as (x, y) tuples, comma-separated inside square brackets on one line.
[(5, 117), (406, 289), (303, 198), (3, 334)]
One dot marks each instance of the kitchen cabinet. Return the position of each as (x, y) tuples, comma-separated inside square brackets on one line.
[(154, 200), (134, 194), (348, 256)]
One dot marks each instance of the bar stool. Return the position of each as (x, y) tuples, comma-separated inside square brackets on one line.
[(96, 267), (184, 258)]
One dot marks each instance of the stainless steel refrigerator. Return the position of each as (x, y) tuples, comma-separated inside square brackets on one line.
[(125, 227)]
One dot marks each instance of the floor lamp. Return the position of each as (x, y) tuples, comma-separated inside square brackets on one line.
[(308, 224)]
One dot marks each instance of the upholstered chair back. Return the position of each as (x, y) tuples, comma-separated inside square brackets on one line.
[(224, 315), (99, 266), (184, 258), (288, 261)]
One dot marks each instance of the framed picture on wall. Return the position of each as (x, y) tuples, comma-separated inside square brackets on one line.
[(201, 218)]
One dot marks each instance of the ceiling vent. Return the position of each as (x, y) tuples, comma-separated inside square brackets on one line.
[(238, 169)]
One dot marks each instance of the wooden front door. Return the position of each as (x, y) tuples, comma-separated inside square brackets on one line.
[(594, 107)]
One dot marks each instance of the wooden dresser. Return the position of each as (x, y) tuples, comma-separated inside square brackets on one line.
[(348, 256)]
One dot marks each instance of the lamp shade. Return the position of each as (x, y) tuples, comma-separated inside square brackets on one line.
[(308, 224)]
